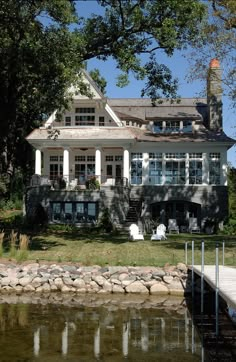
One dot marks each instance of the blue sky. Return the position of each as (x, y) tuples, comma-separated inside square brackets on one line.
[(179, 67)]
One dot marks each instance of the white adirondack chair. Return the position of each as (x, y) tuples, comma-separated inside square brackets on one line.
[(134, 233), (160, 233)]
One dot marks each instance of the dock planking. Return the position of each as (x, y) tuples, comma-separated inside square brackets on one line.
[(227, 281)]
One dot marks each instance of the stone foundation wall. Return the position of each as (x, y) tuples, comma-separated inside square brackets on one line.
[(41, 278)]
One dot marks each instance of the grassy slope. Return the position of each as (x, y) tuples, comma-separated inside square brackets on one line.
[(89, 247)]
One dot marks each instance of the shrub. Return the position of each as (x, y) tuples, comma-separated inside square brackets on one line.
[(105, 222), (230, 227), (92, 184)]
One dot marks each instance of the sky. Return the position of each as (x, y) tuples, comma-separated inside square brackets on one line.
[(179, 67)]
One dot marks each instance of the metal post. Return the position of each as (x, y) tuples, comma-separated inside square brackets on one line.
[(223, 253), (192, 268), (217, 289), (186, 252), (202, 277)]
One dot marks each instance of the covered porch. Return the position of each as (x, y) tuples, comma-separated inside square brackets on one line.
[(74, 167)]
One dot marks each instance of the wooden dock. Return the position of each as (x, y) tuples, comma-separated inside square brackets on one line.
[(227, 281)]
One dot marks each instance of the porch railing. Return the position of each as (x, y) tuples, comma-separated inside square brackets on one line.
[(71, 181)]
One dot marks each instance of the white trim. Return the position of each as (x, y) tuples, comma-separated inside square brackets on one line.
[(113, 116), (51, 119)]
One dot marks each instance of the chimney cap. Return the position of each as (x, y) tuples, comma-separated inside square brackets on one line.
[(214, 63)]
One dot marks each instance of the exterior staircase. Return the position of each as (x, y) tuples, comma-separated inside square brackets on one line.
[(133, 212)]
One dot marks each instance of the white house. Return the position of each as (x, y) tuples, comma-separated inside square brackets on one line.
[(167, 161)]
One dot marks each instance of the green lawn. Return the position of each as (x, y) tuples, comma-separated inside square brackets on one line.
[(89, 247)]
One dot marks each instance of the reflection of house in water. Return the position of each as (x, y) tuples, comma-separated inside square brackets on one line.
[(129, 336), (88, 333)]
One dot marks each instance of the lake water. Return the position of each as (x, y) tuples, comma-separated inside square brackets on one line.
[(90, 328)]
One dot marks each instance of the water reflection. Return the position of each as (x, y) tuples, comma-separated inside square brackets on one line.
[(115, 330)]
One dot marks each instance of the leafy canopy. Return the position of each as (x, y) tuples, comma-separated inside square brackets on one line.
[(44, 45), (217, 39)]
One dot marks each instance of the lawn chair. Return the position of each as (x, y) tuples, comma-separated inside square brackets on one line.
[(172, 226), (134, 233), (160, 233), (193, 225)]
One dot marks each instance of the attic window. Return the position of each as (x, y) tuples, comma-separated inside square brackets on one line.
[(84, 110), (172, 126)]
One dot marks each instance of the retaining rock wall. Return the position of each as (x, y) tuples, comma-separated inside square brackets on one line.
[(40, 278)]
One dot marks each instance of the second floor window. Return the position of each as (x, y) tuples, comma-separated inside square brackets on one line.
[(86, 116), (67, 121), (84, 120)]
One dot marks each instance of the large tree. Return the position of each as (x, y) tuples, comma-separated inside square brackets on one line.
[(44, 45), (217, 38)]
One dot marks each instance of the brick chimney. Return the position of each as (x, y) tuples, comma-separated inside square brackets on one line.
[(214, 96)]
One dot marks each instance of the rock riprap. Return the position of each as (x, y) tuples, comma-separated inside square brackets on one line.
[(38, 278)]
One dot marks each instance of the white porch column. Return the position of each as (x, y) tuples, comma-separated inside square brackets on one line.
[(98, 163), (126, 164), (38, 162), (66, 161), (205, 169), (223, 172)]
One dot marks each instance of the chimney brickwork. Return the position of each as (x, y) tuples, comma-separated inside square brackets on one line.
[(214, 96)]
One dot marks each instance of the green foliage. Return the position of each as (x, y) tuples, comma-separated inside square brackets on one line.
[(232, 192), (105, 222), (92, 184), (41, 59), (217, 39), (10, 204), (230, 227), (3, 185), (98, 79)]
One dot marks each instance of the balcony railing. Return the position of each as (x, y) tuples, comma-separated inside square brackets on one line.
[(83, 181)]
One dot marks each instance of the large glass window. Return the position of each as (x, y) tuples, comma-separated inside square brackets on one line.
[(175, 172), (136, 168), (84, 167), (214, 168), (195, 168), (155, 168), (55, 167), (195, 172)]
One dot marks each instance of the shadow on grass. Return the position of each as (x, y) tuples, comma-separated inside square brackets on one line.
[(39, 243)]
